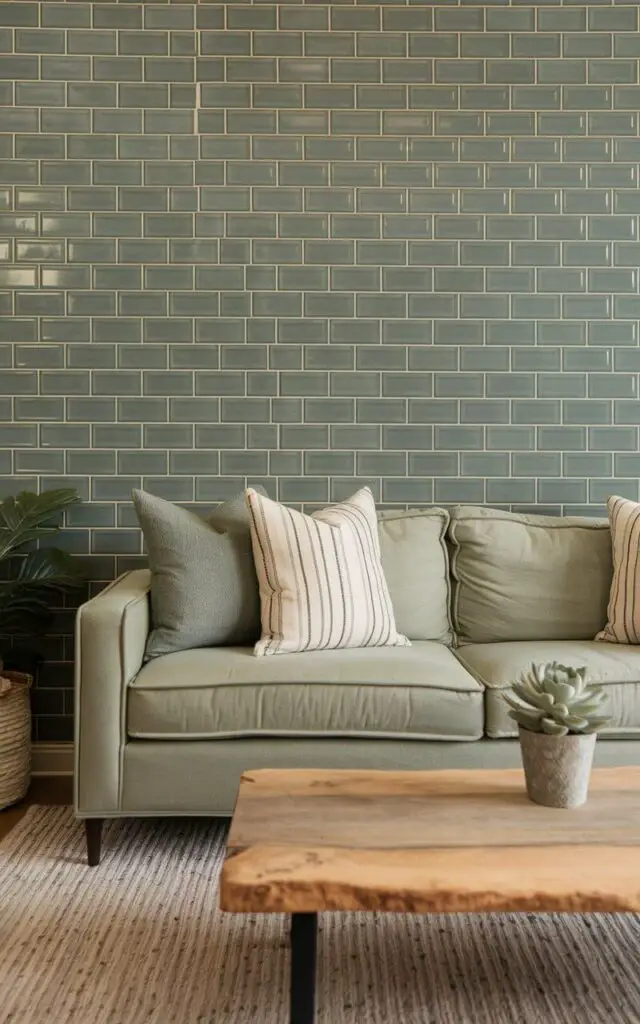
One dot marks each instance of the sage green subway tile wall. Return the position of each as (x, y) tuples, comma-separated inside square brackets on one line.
[(315, 245)]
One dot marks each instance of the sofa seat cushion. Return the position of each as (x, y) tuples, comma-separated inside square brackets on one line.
[(417, 692), (615, 667)]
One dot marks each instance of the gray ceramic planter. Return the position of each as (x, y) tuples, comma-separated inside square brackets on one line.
[(557, 769)]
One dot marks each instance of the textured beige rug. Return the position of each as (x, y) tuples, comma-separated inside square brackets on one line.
[(139, 940)]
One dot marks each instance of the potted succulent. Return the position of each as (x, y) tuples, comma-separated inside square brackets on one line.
[(558, 716), (30, 577)]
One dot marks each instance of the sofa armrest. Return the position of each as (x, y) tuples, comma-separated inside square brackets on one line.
[(111, 634)]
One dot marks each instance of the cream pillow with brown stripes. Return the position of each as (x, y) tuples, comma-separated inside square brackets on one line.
[(321, 581), (623, 612)]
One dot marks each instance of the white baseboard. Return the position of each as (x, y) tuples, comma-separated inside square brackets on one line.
[(52, 759)]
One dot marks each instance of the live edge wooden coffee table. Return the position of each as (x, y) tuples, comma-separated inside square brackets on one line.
[(423, 842)]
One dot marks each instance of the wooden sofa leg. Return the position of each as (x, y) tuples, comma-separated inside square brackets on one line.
[(93, 832)]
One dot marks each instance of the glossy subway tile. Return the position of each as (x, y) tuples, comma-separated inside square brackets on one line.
[(322, 245)]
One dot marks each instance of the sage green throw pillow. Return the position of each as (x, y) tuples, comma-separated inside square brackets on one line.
[(528, 577), (204, 591)]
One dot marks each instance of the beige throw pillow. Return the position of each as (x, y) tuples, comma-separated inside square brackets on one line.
[(320, 577), (623, 612)]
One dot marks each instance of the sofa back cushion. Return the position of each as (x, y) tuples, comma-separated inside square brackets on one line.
[(528, 577), (416, 566)]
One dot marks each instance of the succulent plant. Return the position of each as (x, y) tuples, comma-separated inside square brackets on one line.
[(555, 699)]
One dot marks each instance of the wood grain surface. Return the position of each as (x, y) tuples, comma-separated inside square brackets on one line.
[(429, 841)]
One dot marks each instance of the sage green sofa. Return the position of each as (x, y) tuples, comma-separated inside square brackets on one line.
[(479, 592)]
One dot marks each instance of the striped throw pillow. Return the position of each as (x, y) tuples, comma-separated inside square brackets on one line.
[(623, 612), (320, 577)]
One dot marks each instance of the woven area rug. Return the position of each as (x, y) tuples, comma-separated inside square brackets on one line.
[(140, 940)]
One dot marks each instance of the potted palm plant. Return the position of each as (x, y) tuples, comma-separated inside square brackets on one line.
[(558, 718), (31, 575)]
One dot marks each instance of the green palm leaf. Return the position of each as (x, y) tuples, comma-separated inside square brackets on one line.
[(23, 517), (31, 577), (48, 567)]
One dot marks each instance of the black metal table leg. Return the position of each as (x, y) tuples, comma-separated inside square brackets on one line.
[(303, 968)]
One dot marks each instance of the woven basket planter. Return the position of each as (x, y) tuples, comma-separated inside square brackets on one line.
[(15, 739)]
